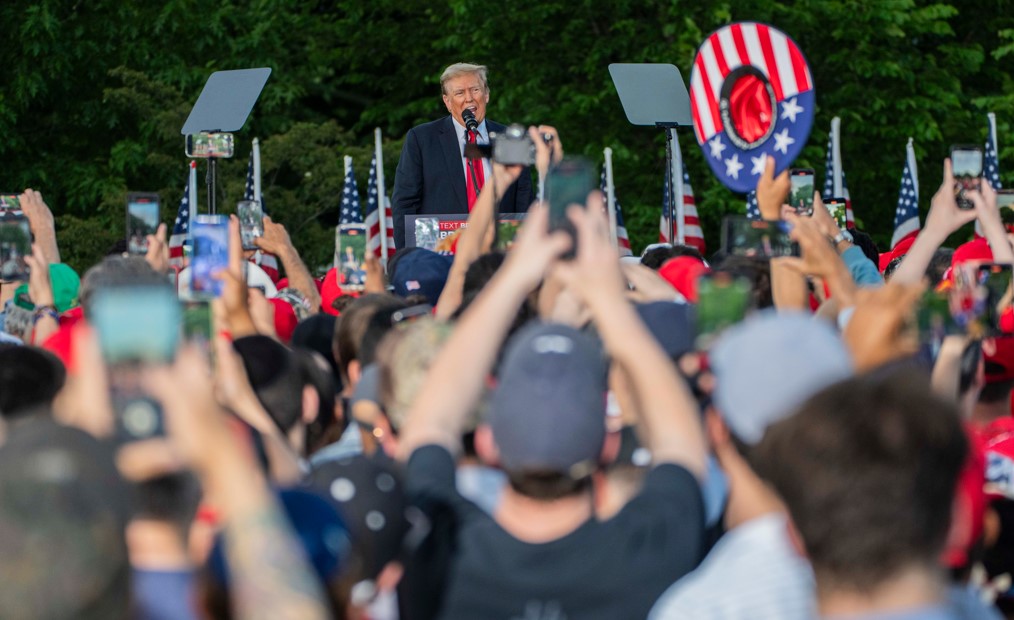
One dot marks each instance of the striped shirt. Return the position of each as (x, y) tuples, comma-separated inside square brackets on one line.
[(753, 572)]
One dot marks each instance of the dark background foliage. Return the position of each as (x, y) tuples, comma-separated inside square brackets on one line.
[(92, 94)]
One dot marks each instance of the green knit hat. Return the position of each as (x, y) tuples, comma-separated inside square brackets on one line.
[(66, 285)]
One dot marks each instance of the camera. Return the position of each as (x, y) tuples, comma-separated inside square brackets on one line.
[(513, 146)]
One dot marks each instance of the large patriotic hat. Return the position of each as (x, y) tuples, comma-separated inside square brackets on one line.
[(751, 94)]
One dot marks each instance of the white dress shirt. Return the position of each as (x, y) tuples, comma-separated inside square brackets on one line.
[(753, 572)]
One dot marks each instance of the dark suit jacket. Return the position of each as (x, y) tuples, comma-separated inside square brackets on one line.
[(430, 178)]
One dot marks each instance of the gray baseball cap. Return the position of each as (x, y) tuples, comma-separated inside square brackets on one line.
[(549, 408), (768, 365)]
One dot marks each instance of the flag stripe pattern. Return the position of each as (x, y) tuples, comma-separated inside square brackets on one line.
[(906, 216), (622, 239), (267, 262), (372, 214), (767, 49), (693, 235), (181, 228), (828, 192)]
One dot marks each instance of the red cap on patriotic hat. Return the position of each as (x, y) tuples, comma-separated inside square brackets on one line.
[(751, 95)]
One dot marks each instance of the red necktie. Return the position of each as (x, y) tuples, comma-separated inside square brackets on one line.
[(475, 178)]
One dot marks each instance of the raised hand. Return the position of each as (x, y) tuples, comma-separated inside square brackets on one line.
[(772, 191)]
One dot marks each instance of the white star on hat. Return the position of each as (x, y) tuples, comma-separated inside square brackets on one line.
[(782, 141), (732, 166), (717, 146), (790, 109), (758, 164)]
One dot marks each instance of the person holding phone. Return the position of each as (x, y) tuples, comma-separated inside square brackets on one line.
[(433, 175)]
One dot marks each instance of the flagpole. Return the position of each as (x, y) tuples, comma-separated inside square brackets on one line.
[(381, 195), (910, 154), (257, 169), (193, 194), (992, 134), (610, 195), (836, 156), (676, 222)]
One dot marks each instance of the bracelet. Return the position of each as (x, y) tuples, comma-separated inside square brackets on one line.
[(42, 311)]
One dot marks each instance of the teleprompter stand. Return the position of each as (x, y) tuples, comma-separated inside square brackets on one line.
[(223, 106), (654, 95)]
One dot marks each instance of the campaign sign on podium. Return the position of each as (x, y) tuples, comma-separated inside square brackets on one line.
[(439, 233)]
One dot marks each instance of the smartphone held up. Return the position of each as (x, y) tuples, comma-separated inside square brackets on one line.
[(760, 239), (251, 222), (15, 246), (568, 183), (801, 194), (966, 167), (210, 235), (142, 220)]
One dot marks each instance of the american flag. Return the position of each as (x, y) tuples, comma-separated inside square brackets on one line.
[(372, 215), (248, 191), (906, 217), (831, 170), (622, 240), (351, 212), (265, 261), (181, 225), (692, 233), (752, 206), (992, 159)]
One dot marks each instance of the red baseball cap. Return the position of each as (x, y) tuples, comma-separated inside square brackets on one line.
[(330, 291), (285, 319), (682, 272)]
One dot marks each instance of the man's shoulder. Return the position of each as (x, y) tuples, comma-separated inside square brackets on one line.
[(433, 127)]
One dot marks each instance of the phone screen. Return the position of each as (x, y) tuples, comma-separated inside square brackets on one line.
[(15, 245), (722, 300), (568, 183), (352, 256), (251, 222), (801, 196), (756, 238), (997, 280), (142, 220), (136, 323), (211, 254), (10, 202), (836, 207), (207, 145), (966, 165)]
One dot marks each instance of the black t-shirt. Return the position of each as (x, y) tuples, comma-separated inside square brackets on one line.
[(603, 569)]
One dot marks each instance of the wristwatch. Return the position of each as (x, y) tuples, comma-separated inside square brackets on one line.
[(843, 235)]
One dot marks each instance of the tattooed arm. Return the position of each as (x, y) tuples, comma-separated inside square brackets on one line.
[(271, 575)]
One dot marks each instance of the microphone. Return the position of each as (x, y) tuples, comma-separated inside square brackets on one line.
[(468, 116)]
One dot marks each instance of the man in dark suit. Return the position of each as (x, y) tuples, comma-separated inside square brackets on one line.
[(433, 176)]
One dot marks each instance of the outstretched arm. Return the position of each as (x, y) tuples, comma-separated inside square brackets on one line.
[(461, 367), (276, 241), (668, 412)]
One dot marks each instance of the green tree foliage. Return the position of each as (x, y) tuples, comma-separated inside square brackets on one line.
[(93, 94)]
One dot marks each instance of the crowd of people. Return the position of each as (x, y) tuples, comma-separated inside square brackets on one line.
[(538, 433)]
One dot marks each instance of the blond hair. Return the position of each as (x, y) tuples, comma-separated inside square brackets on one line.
[(405, 357), (463, 68)]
